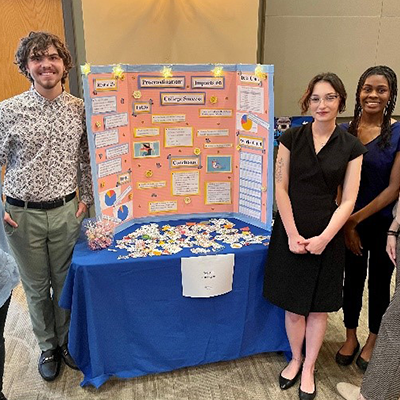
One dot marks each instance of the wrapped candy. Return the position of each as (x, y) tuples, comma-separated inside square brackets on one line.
[(100, 231)]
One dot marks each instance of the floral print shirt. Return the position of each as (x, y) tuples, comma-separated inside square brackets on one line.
[(43, 144)]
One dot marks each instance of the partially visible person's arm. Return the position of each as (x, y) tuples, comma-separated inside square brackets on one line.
[(392, 236), (85, 184), (387, 196), (4, 146)]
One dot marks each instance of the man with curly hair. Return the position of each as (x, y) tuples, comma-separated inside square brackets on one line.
[(43, 144)]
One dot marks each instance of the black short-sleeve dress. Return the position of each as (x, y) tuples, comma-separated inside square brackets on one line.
[(304, 283)]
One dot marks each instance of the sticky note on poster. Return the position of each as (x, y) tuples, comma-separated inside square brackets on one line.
[(207, 276)]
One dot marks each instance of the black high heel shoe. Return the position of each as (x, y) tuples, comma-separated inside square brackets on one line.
[(285, 383)]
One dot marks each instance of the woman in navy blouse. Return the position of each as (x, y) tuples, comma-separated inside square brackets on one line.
[(366, 229)]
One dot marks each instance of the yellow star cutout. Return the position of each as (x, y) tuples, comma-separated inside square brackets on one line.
[(217, 71), (118, 72), (85, 69), (258, 72), (166, 72)]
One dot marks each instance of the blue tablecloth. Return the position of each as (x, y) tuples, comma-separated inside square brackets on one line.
[(129, 318)]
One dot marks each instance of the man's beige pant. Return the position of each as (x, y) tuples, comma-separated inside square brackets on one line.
[(42, 245)]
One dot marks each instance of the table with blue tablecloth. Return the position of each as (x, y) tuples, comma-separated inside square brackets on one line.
[(129, 318)]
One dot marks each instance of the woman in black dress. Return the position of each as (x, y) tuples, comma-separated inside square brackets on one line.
[(304, 272)]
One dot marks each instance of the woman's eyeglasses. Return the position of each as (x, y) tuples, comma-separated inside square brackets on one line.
[(329, 98)]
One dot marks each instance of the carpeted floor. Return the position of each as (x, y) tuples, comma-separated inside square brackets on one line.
[(251, 378)]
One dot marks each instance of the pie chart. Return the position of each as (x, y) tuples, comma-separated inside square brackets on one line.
[(246, 122), (123, 212), (110, 197)]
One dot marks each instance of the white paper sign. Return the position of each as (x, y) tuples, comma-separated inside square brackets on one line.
[(116, 120), (183, 98), (167, 118), (106, 138), (104, 85), (154, 82), (117, 151), (208, 82), (213, 132), (184, 183), (215, 113), (218, 193), (163, 206), (249, 78), (217, 145), (250, 99), (179, 137), (104, 104), (151, 185), (258, 121), (251, 142), (207, 276), (109, 167), (139, 132)]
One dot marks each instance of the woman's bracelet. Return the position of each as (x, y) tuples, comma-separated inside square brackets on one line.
[(392, 233)]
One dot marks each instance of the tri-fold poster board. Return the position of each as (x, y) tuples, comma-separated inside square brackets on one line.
[(181, 141)]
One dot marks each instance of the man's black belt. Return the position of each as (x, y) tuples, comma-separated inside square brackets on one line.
[(41, 205)]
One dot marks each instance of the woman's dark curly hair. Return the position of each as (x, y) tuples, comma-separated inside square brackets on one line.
[(37, 43), (391, 77)]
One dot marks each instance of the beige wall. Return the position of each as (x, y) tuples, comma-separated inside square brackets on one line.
[(170, 31), (305, 37)]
